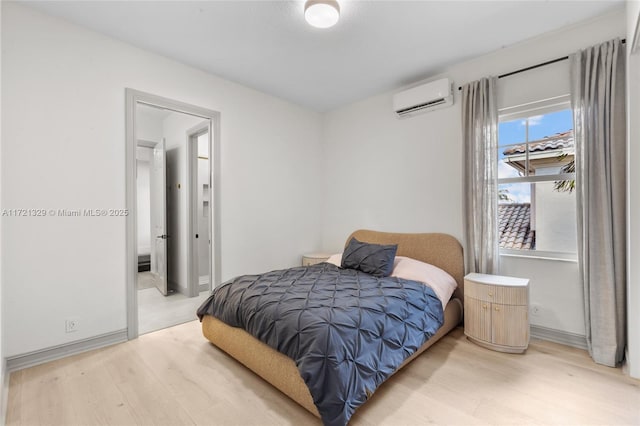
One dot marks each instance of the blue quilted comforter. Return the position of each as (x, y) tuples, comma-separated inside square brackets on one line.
[(346, 330)]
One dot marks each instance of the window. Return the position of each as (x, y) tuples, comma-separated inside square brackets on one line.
[(536, 181)]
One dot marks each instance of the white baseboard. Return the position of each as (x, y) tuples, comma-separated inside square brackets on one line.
[(41, 356), (178, 288), (625, 362), (204, 283), (563, 337)]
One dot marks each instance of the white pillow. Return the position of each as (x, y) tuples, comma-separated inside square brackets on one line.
[(336, 259), (440, 281), (407, 268)]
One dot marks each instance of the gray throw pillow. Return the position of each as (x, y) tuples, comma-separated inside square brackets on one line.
[(374, 259)]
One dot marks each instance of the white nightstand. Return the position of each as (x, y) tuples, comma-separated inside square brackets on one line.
[(496, 312), (314, 258)]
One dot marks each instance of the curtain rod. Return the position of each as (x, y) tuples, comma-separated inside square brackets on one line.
[(532, 67)]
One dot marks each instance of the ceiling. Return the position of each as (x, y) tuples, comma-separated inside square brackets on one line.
[(376, 46)]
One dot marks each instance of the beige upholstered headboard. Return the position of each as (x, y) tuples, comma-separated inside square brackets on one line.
[(441, 250)]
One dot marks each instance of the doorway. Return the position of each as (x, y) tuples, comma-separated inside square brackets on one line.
[(173, 250)]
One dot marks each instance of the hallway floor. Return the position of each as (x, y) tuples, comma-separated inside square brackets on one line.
[(156, 311)]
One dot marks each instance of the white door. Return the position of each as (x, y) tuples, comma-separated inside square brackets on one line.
[(159, 235)]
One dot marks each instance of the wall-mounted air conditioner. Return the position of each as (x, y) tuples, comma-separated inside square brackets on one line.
[(426, 97)]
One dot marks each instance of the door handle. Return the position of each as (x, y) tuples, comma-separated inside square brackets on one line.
[(197, 236), (163, 236)]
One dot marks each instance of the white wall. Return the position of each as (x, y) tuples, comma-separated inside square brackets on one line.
[(555, 289), (148, 124), (405, 175), (633, 182), (388, 174), (3, 389), (72, 81), (555, 213)]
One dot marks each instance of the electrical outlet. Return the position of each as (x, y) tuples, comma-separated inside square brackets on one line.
[(71, 325), (535, 310)]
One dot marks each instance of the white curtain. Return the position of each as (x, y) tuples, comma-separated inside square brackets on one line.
[(480, 189), (598, 101)]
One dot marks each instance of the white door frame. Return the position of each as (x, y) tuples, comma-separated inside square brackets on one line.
[(132, 98), (193, 285)]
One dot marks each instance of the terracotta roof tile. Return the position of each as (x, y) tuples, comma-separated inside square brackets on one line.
[(557, 141), (515, 227)]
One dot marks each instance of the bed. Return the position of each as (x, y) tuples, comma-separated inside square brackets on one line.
[(440, 250)]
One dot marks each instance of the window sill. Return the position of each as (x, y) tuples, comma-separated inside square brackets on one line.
[(558, 257)]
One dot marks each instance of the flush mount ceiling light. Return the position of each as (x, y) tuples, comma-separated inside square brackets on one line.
[(322, 13)]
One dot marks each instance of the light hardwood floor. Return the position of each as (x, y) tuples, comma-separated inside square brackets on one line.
[(175, 377)]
